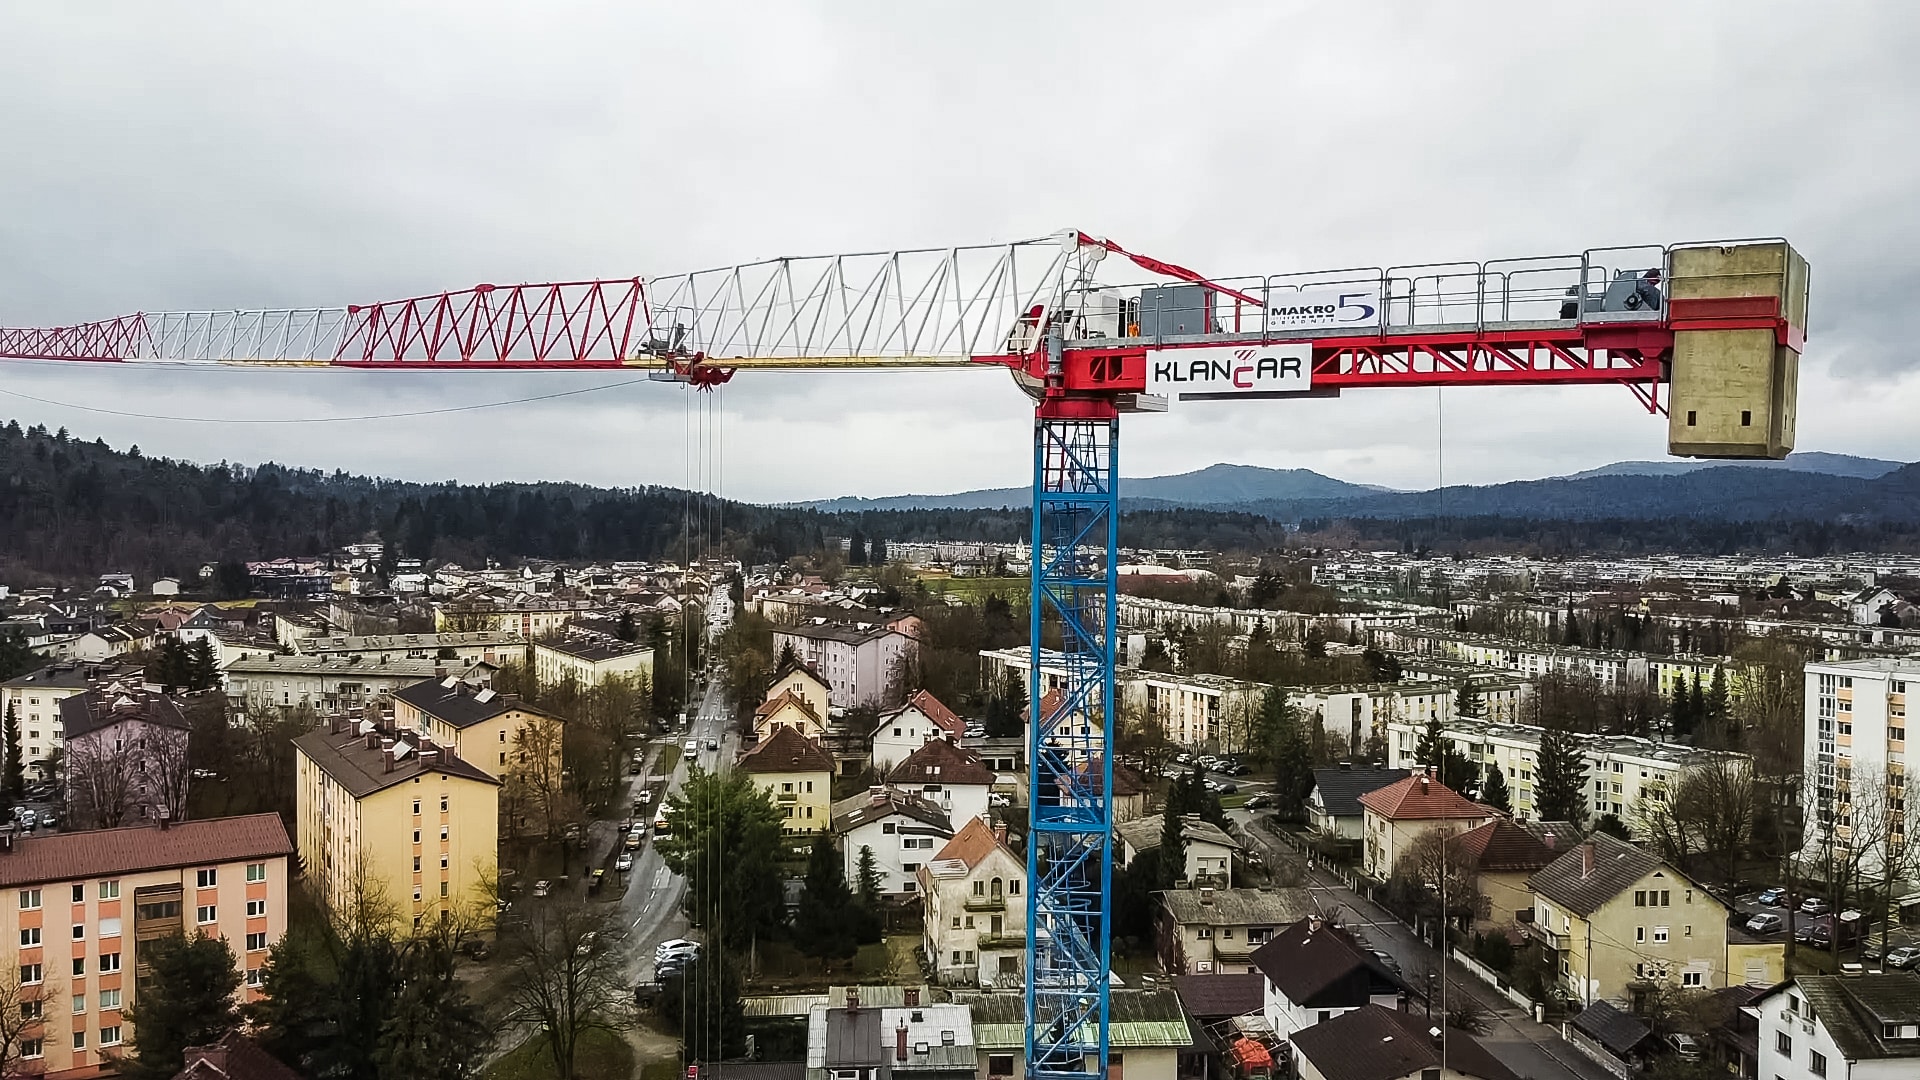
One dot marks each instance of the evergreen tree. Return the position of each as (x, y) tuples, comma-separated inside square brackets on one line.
[(725, 840), (857, 549), (1466, 700), (1316, 644), (867, 874), (185, 1000), (1680, 714), (16, 656), (823, 926), (1697, 702), (1560, 779), (202, 666), (1717, 700), (1172, 859), (1292, 771), (432, 1031), (1433, 742), (1270, 724), (13, 781), (1494, 792), (877, 551), (624, 629), (703, 1002), (1573, 635), (1613, 826)]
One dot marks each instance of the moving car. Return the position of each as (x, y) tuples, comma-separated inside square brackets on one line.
[(1903, 957), (624, 863), (713, 744), (691, 750), (1259, 802)]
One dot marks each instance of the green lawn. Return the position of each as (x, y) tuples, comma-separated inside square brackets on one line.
[(973, 588), (602, 1056)]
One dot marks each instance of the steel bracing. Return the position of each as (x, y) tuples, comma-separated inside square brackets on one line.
[(1076, 520)]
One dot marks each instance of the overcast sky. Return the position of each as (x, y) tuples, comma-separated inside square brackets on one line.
[(248, 155)]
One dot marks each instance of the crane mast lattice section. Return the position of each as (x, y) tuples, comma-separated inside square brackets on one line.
[(1076, 523)]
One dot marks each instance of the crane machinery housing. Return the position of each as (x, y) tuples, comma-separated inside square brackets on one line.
[(1718, 325)]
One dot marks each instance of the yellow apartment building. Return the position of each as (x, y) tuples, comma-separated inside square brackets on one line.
[(405, 814), (482, 726), (77, 908)]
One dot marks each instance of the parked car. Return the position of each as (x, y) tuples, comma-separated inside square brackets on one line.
[(1870, 951), (542, 887), (675, 945), (1815, 905), (1259, 802), (1773, 897), (1387, 961), (1903, 957), (1684, 1045), (624, 863), (1223, 787), (1766, 923)]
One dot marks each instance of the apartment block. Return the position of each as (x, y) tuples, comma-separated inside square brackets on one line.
[(35, 700), (862, 662), (483, 727), (1856, 747), (1621, 769), (588, 659), (77, 909), (397, 812)]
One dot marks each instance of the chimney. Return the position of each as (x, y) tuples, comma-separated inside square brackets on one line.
[(1206, 894), (900, 1042), (1423, 783), (1550, 840), (373, 740), (386, 755), (853, 1001), (912, 995), (1586, 860), (1000, 832), (1313, 924), (440, 671)]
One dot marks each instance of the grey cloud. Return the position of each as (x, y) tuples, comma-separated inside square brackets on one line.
[(248, 157)]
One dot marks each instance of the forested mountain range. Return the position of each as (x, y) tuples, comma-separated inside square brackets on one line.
[(70, 507)]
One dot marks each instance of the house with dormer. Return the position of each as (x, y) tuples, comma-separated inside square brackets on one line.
[(492, 731), (1841, 1027), (1315, 971), (974, 923), (901, 829), (126, 755), (1395, 816), (906, 729), (948, 775)]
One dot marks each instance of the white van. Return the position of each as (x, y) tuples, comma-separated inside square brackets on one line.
[(691, 751)]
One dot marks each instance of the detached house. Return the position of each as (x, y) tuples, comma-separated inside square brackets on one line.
[(1316, 971), (1209, 849), (902, 830), (797, 775), (906, 729), (1825, 1027), (1616, 922), (948, 775), (1503, 856), (1215, 931), (975, 925), (1378, 1043), (1393, 817), (1333, 808)]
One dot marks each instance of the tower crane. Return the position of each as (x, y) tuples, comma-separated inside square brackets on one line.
[(1718, 325)]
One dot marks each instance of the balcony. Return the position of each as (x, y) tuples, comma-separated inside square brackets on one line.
[(1556, 942), (985, 903), (992, 942), (786, 798)]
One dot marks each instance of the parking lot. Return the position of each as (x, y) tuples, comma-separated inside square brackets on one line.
[(1815, 930)]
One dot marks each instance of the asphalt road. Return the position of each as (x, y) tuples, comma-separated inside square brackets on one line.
[(1534, 1051)]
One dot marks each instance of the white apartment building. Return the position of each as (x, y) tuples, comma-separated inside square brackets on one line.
[(1608, 667), (1621, 769), (1355, 712), (1856, 735), (35, 700), (1208, 712)]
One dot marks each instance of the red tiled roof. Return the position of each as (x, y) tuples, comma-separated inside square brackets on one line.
[(1421, 798), (94, 853), (786, 751), (972, 843), (1049, 704), (1501, 846), (1126, 782), (932, 708), (234, 1057), (941, 761)]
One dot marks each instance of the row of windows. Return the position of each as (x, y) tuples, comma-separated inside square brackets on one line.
[(30, 899), (34, 974), (443, 804)]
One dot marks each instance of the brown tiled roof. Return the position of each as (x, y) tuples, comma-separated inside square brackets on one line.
[(1375, 1043), (1584, 888), (972, 843), (1421, 798), (772, 705), (786, 751), (1126, 781), (462, 704), (941, 761), (361, 769), (94, 853), (932, 708), (1500, 846), (855, 811)]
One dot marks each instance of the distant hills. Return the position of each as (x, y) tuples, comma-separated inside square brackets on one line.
[(1738, 491)]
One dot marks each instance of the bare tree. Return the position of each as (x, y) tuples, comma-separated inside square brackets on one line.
[(22, 1019), (565, 973), (1449, 875), (533, 781), (1706, 816), (100, 780), (163, 766)]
